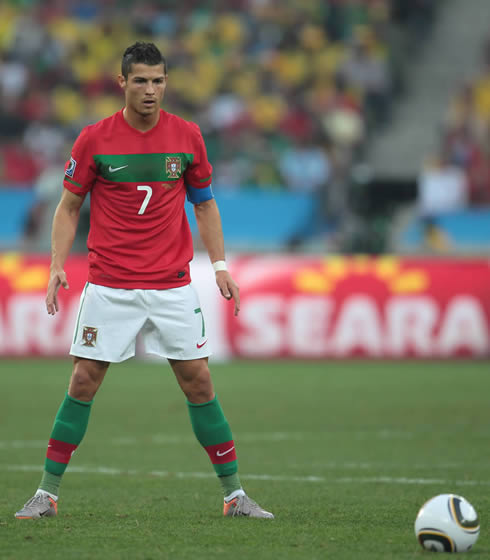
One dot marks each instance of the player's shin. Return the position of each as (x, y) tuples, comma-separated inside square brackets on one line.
[(214, 434), (69, 428)]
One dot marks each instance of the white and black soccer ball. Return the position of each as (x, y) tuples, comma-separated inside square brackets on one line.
[(447, 523)]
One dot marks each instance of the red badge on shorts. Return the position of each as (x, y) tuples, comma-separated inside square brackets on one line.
[(89, 336)]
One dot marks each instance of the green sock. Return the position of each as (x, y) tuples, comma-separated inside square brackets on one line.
[(214, 434), (230, 483), (69, 428), (50, 483)]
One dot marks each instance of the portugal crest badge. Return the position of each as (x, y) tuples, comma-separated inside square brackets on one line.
[(89, 336), (173, 167)]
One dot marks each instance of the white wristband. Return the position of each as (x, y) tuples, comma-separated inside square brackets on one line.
[(219, 265)]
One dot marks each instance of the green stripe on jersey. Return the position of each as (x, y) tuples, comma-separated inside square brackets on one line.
[(73, 182), (142, 167)]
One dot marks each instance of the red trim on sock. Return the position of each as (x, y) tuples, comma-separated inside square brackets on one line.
[(60, 451), (222, 452)]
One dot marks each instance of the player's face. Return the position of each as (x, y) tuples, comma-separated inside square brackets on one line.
[(144, 88)]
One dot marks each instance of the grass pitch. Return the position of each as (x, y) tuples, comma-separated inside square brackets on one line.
[(344, 454)]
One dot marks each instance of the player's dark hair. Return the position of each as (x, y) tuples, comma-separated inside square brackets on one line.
[(141, 53)]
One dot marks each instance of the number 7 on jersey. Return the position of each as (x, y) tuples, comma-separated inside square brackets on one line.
[(149, 192)]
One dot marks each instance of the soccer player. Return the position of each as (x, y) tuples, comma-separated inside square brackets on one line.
[(138, 166)]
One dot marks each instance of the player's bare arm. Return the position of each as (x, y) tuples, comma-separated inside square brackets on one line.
[(65, 224), (209, 224)]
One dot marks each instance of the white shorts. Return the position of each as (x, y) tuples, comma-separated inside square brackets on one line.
[(170, 323)]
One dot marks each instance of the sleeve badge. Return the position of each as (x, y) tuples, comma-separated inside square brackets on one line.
[(70, 170)]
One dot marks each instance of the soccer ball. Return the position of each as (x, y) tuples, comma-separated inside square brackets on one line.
[(447, 523)]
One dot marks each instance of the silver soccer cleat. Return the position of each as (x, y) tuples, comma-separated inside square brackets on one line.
[(40, 505), (243, 505)]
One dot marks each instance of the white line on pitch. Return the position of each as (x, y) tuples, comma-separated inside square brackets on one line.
[(166, 439), (170, 439), (405, 480), (24, 444), (162, 474), (382, 465), (274, 478)]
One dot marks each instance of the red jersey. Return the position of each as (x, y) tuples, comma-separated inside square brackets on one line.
[(139, 234)]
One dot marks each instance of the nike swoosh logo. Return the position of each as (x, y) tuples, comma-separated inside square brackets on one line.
[(114, 169), (201, 345), (220, 454)]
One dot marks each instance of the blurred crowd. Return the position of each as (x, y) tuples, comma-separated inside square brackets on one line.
[(286, 92), (458, 176)]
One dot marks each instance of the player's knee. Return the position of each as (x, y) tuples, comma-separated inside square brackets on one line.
[(200, 388), (82, 386), (86, 379), (199, 394)]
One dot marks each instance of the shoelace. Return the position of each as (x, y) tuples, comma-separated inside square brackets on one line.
[(246, 501), (35, 499)]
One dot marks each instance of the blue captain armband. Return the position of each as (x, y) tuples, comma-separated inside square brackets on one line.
[(197, 195)]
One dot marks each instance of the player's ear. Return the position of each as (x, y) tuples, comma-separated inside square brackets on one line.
[(121, 80)]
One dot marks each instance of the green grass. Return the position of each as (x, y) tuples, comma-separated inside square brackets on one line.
[(344, 453)]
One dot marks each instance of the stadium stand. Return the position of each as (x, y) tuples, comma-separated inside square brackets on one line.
[(463, 232), (279, 88), (452, 212)]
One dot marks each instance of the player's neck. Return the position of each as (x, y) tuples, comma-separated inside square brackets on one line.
[(140, 122)]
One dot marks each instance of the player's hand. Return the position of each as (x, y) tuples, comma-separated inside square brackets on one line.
[(228, 288), (57, 278)]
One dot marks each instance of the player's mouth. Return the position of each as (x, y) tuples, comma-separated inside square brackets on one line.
[(149, 103)]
